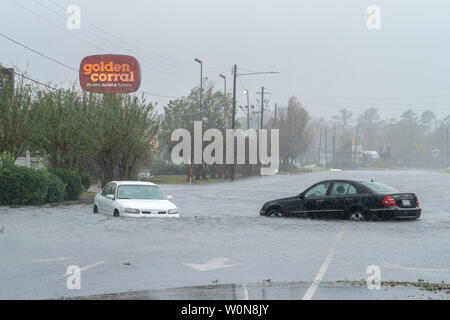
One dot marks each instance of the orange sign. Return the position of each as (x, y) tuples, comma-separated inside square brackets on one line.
[(110, 73)]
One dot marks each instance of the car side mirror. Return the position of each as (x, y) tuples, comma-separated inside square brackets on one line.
[(169, 197), (301, 196), (110, 197)]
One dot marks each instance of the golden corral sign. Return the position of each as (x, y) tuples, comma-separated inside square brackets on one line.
[(110, 73)]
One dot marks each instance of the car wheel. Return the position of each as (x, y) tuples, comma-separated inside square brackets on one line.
[(275, 212), (357, 215), (95, 209), (116, 213)]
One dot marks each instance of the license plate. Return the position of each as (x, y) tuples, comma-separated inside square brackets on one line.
[(406, 203)]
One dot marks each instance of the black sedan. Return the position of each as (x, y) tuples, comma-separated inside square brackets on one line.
[(347, 199)]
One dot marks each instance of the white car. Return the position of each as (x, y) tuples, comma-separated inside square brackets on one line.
[(134, 199)]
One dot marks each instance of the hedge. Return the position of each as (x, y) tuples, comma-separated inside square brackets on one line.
[(55, 189), (85, 180), (22, 186), (72, 182), (160, 167)]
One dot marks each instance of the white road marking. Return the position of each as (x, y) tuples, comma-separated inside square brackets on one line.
[(52, 259), (400, 267), (217, 263), (323, 269), (87, 267)]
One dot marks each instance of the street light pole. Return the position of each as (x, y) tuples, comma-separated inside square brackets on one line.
[(233, 117), (235, 74), (201, 81), (248, 108), (226, 100), (262, 108)]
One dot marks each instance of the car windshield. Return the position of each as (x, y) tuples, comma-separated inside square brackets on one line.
[(140, 192), (379, 187)]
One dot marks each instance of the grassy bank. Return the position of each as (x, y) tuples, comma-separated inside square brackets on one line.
[(445, 171), (305, 170), (182, 179)]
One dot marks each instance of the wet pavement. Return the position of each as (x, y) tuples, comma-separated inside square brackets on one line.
[(220, 240)]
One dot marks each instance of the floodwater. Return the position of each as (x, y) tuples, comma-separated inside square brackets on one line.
[(220, 239)]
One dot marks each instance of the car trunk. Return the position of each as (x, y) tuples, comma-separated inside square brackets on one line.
[(405, 200)]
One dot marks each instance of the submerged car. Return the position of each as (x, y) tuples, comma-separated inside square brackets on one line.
[(347, 199), (134, 199)]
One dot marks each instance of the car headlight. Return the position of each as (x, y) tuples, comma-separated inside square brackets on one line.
[(131, 210), (173, 211)]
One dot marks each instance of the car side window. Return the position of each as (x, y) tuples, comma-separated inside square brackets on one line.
[(339, 189), (352, 190), (112, 189), (105, 190), (318, 191)]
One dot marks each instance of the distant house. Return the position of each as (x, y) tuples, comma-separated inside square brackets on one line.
[(31, 162)]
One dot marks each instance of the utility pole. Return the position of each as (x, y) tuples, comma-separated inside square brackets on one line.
[(334, 144), (235, 74), (275, 114), (233, 117), (356, 143), (320, 145), (326, 148), (447, 151), (262, 108)]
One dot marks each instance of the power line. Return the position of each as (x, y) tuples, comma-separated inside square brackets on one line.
[(179, 63), (55, 25), (35, 81), (158, 95), (37, 52), (95, 26), (103, 38), (71, 34)]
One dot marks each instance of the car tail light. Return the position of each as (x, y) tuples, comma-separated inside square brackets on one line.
[(417, 202), (388, 201)]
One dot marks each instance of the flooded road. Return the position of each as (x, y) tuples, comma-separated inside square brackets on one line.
[(220, 239)]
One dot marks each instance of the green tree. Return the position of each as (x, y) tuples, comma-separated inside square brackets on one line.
[(295, 134), (125, 130), (65, 119), (16, 124)]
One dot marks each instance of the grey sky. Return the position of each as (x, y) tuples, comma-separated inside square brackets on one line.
[(325, 53)]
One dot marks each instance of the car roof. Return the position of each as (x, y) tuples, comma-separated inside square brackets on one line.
[(143, 183), (346, 180)]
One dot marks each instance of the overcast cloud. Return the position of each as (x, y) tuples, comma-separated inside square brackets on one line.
[(323, 49)]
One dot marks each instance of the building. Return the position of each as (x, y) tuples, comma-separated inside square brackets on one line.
[(6, 76)]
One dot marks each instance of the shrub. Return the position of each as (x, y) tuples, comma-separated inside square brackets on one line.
[(85, 180), (161, 167), (287, 167), (55, 188), (72, 182), (22, 186), (6, 159)]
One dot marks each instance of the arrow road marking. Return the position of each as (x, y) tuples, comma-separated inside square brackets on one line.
[(217, 263)]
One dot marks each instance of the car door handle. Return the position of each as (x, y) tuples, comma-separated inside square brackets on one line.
[(348, 199)]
